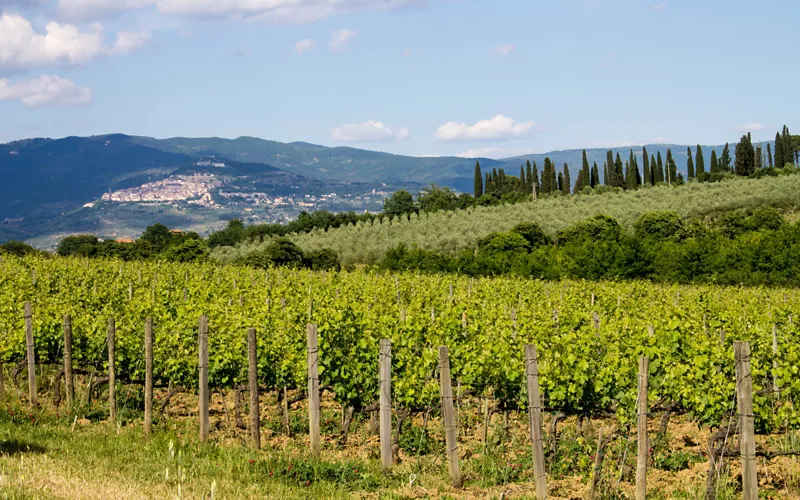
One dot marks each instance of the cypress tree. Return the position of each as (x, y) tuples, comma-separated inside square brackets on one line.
[(619, 173), (724, 163), (714, 163), (605, 174), (561, 182), (554, 186), (478, 181), (660, 169), (609, 179), (653, 167), (779, 151), (759, 163), (672, 168), (585, 171), (689, 164), (566, 186), (528, 177), (745, 157), (630, 176), (536, 178), (646, 164), (546, 176), (789, 157), (522, 184), (700, 161), (770, 162), (594, 178)]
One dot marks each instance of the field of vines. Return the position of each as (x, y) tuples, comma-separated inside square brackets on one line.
[(589, 335), (452, 231)]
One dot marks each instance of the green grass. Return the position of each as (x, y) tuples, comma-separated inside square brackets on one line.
[(450, 232)]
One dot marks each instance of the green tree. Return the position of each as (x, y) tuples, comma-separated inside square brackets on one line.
[(609, 178), (779, 151), (646, 164), (660, 169), (434, 198), (585, 170), (725, 159), (554, 185), (84, 245), (606, 174), (478, 181), (546, 183), (158, 235), (758, 159), (522, 182), (561, 182), (566, 181), (700, 161), (619, 173), (714, 168), (528, 177), (689, 164), (594, 180), (770, 161), (745, 157), (536, 178), (399, 203), (653, 168), (672, 168)]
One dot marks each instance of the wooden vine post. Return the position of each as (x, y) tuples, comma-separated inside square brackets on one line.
[(535, 410), (775, 387), (385, 368), (255, 417), (2, 383), (313, 390), (744, 401), (112, 376), (203, 382), (148, 375), (641, 430), (448, 418), (69, 381), (34, 400)]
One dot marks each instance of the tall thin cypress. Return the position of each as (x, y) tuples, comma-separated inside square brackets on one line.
[(487, 184), (714, 168), (689, 164), (536, 178), (779, 151), (770, 162), (522, 183), (609, 179), (700, 161), (653, 167), (605, 174), (566, 186), (646, 167), (724, 163), (478, 181), (660, 168), (672, 168), (759, 162), (554, 186), (546, 176), (619, 173), (528, 177), (594, 179), (560, 182)]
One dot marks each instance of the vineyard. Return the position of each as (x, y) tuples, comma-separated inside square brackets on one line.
[(589, 337)]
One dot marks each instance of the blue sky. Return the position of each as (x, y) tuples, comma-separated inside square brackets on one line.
[(418, 77)]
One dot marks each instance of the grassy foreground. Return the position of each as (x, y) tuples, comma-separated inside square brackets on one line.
[(49, 455), (449, 232)]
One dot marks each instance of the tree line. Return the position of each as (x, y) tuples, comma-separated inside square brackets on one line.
[(750, 248)]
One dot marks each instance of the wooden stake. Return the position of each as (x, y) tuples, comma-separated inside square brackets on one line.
[(285, 407), (112, 375), (641, 429), (385, 367), (744, 401), (313, 390), (535, 411), (203, 382), (148, 375), (69, 381), (32, 394), (448, 418), (255, 417)]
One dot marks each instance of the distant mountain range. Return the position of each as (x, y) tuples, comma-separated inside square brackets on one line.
[(46, 182)]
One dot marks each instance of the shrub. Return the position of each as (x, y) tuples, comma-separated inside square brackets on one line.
[(660, 226), (532, 233), (504, 242), (323, 260), (599, 227)]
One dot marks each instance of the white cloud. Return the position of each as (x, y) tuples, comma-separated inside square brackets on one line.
[(750, 127), (504, 50), (340, 40), (97, 9), (45, 91), (128, 41), (304, 46), (660, 6), (21, 48), (275, 11), (368, 131), (498, 127)]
